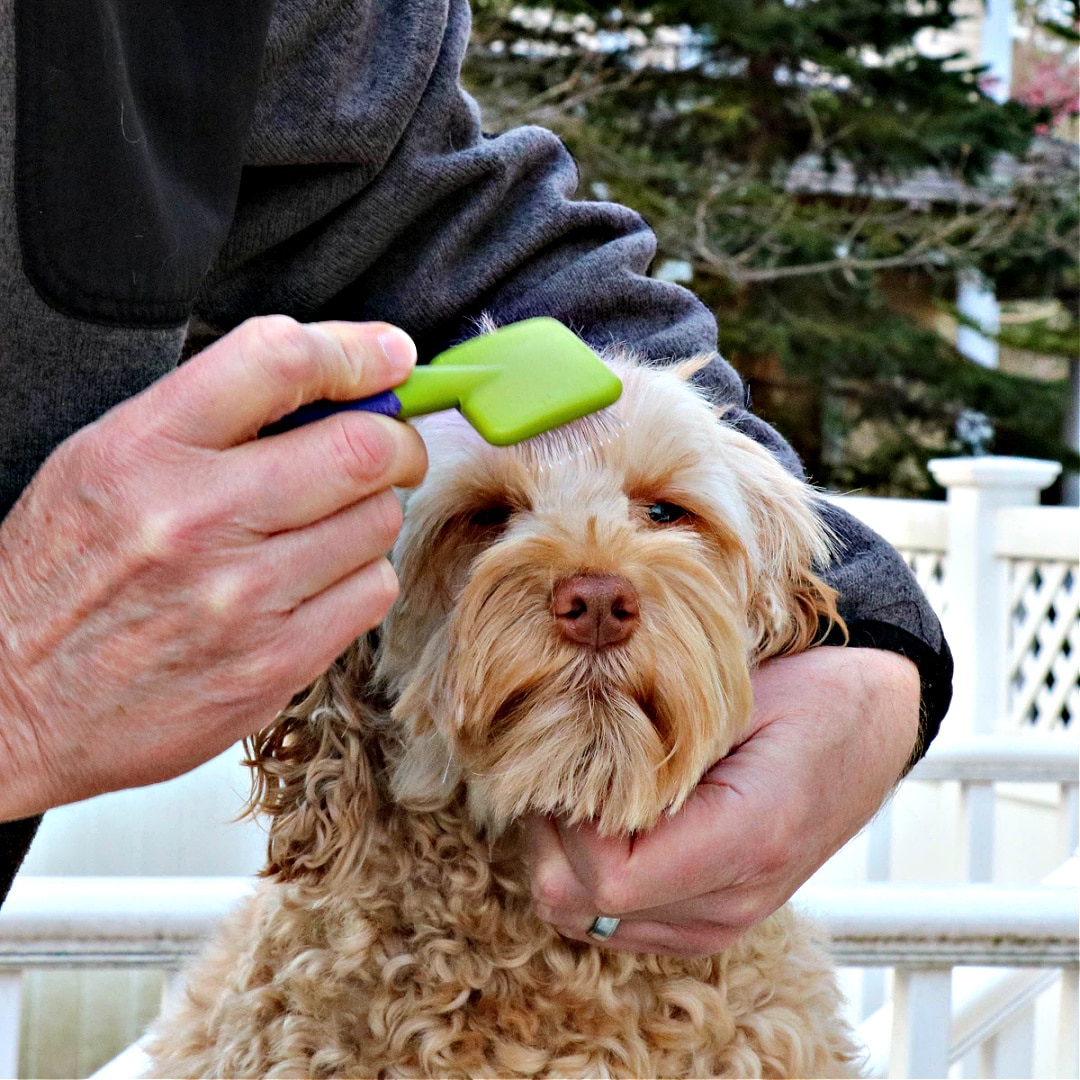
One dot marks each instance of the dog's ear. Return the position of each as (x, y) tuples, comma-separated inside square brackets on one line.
[(425, 776), (790, 611), (789, 603), (314, 772)]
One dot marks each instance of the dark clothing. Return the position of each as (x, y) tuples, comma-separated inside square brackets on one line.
[(209, 162)]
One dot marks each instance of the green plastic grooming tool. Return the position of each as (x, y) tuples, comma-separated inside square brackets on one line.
[(511, 384)]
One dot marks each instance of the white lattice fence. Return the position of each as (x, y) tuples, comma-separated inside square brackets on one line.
[(918, 529), (1005, 579), (1044, 643), (930, 569), (1043, 687), (1041, 553)]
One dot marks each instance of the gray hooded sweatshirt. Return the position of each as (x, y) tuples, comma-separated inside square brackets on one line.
[(211, 162)]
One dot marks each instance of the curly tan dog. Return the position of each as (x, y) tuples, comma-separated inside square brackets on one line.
[(577, 625)]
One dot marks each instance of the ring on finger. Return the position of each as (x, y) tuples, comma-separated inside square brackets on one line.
[(602, 928)]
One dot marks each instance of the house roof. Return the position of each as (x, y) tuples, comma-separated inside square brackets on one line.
[(1046, 158)]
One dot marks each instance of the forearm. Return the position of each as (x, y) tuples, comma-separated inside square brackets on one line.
[(376, 190)]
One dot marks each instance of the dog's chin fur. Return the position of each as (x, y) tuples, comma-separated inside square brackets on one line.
[(534, 723), (402, 772)]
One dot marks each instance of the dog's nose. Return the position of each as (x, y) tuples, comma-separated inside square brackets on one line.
[(595, 609)]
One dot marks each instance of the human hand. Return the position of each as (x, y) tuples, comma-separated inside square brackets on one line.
[(168, 581), (832, 731)]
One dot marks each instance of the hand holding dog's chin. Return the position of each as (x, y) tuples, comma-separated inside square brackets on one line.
[(167, 581), (832, 731)]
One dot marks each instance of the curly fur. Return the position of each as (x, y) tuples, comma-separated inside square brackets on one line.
[(394, 935)]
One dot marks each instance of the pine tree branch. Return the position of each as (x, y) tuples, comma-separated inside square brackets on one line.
[(923, 252), (597, 90), (552, 93)]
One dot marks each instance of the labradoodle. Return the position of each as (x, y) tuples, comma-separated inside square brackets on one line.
[(578, 620)]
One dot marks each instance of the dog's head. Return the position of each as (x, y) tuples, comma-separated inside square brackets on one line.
[(579, 614)]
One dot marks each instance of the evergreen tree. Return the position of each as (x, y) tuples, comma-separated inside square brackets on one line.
[(814, 177)]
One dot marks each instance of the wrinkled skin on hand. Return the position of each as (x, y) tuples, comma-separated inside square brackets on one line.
[(168, 581), (832, 731)]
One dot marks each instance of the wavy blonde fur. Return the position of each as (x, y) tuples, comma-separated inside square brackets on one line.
[(394, 935)]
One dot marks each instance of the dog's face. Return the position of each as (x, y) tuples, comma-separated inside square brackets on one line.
[(579, 615)]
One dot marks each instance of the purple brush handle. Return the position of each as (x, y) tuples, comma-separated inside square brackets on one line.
[(386, 404)]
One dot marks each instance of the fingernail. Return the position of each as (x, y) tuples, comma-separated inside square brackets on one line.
[(384, 571), (399, 349)]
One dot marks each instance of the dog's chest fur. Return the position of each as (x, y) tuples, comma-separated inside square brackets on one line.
[(431, 963)]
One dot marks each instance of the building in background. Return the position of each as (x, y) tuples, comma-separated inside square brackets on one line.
[(1027, 59)]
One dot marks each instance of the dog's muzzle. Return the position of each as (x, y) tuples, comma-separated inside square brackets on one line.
[(603, 926)]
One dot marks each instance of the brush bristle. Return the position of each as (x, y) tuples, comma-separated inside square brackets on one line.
[(579, 439)]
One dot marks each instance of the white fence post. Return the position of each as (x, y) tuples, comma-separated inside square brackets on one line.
[(878, 868), (1011, 1051), (1068, 1052), (10, 1021), (976, 618), (922, 1021), (1070, 816), (977, 828)]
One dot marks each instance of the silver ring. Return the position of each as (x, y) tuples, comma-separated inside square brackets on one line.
[(603, 926)]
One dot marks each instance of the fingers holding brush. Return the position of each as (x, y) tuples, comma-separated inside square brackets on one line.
[(302, 476), (266, 368), (196, 576)]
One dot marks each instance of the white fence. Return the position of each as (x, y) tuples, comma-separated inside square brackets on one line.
[(1003, 574), (984, 1020), (156, 922)]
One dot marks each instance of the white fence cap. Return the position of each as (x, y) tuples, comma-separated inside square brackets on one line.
[(994, 471)]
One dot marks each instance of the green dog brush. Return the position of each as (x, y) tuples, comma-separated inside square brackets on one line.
[(514, 383)]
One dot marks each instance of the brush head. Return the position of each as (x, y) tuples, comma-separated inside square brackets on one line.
[(547, 377)]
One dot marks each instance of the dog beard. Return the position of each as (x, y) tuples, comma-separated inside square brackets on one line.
[(618, 735)]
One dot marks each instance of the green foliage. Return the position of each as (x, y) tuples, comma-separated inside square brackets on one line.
[(768, 143)]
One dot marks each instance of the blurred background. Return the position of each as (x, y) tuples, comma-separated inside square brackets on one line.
[(857, 188), (879, 201)]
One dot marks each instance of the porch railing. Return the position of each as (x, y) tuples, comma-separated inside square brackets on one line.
[(157, 922), (936, 1016), (1003, 574)]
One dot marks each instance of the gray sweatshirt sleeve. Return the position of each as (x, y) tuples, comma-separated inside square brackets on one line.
[(371, 192)]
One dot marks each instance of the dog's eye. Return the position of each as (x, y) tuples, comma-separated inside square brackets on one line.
[(665, 513), (490, 517)]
